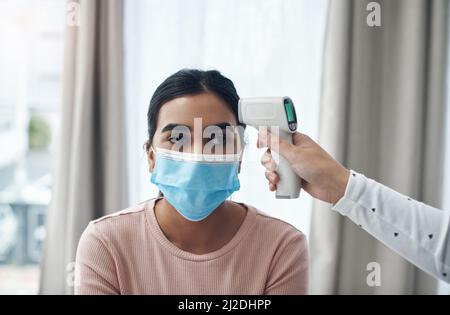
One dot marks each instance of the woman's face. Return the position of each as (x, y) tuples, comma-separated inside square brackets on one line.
[(201, 123)]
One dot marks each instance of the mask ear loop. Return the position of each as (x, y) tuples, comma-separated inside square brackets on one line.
[(160, 194)]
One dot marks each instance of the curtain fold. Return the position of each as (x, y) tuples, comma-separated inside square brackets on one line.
[(90, 178), (382, 114)]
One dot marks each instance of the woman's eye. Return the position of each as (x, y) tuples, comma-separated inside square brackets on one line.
[(176, 139), (218, 139)]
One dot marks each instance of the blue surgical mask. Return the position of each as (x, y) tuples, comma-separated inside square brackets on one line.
[(195, 184)]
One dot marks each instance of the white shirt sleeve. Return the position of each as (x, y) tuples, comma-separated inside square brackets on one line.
[(418, 232)]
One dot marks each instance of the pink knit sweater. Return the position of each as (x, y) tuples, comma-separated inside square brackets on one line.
[(127, 253)]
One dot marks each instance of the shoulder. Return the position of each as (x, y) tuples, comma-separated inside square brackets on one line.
[(122, 218), (116, 226), (276, 230)]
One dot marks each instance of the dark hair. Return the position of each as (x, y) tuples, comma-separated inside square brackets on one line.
[(190, 82)]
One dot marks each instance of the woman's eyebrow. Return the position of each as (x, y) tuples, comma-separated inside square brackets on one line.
[(222, 125), (171, 126)]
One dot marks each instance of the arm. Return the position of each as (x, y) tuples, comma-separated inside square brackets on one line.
[(95, 271), (289, 271), (418, 232)]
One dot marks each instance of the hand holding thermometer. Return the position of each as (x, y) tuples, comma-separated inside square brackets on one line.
[(275, 112)]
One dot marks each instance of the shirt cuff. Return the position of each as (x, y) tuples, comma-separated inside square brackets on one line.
[(355, 189)]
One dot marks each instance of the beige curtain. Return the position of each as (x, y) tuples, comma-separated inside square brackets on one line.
[(383, 115), (90, 178)]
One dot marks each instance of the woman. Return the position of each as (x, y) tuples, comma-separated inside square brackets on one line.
[(191, 240)]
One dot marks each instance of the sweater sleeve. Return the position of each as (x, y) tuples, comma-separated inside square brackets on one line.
[(416, 231), (95, 270), (290, 268)]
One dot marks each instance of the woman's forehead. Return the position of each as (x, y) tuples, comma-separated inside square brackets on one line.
[(207, 107)]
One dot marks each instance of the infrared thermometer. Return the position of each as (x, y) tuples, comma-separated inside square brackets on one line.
[(278, 115)]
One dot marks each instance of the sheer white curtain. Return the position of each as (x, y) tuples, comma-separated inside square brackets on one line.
[(266, 47)]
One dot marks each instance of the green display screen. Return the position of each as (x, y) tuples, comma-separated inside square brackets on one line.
[(290, 111)]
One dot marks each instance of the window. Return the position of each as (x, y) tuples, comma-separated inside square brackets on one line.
[(31, 37), (268, 48)]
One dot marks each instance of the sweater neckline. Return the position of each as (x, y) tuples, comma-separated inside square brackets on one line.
[(160, 236)]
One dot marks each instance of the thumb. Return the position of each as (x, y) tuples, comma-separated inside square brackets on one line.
[(277, 144)]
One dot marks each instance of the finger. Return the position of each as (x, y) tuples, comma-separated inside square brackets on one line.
[(267, 156), (268, 162), (272, 187), (272, 177), (276, 143)]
